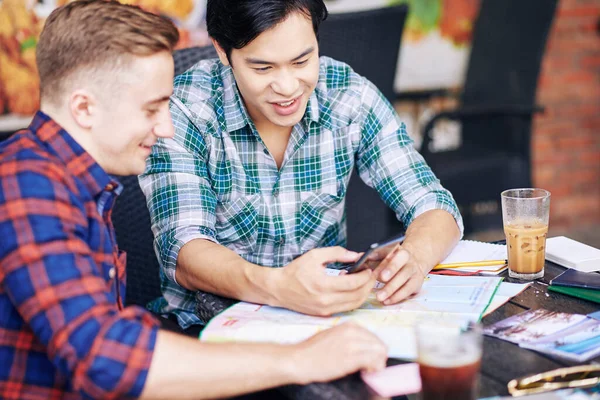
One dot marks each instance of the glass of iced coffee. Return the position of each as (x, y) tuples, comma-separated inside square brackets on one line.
[(525, 213), (449, 357)]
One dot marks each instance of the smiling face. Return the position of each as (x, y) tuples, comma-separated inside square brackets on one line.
[(277, 72), (128, 122)]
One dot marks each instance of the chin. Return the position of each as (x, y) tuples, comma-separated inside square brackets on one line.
[(290, 120), (289, 123)]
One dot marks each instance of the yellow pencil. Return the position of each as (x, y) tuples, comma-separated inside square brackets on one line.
[(471, 264)]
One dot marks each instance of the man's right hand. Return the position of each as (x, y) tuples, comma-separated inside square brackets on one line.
[(337, 352), (304, 287)]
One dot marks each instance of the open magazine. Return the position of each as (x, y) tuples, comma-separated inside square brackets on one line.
[(458, 297), (572, 336)]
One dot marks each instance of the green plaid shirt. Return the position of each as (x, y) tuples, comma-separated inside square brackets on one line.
[(216, 180)]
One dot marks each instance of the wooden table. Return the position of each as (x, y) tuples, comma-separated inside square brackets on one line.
[(502, 361)]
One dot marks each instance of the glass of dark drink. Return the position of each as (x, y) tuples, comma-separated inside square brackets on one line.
[(449, 357)]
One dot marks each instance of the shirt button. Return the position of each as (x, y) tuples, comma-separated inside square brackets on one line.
[(110, 187), (275, 192), (112, 273), (281, 240), (266, 151)]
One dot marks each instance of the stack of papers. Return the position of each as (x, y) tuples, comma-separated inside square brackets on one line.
[(572, 254), (462, 298)]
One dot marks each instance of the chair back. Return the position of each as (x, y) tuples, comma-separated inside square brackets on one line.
[(496, 108), (509, 40), (132, 219), (368, 41), (186, 58)]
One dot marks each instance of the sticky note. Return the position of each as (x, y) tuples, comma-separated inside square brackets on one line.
[(395, 380)]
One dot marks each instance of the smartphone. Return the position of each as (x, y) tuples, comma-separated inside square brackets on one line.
[(362, 262)]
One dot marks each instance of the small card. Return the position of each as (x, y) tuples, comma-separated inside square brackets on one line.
[(394, 381)]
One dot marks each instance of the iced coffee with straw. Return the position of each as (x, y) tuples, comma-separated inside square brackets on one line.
[(525, 213)]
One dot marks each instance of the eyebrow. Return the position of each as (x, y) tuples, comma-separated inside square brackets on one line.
[(159, 100), (263, 62)]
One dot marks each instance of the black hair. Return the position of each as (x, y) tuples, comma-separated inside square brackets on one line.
[(235, 23)]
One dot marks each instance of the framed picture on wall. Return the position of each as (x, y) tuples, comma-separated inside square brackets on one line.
[(435, 43)]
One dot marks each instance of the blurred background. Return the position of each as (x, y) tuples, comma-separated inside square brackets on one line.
[(495, 93)]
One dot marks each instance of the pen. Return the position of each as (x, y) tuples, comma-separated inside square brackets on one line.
[(470, 264)]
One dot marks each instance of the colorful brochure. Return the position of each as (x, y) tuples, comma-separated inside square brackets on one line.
[(575, 337)]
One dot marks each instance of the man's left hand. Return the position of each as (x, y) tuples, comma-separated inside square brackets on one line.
[(402, 275)]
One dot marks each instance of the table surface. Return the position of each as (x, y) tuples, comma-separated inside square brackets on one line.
[(502, 361)]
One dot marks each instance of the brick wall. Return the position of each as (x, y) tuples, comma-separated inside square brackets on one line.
[(566, 139)]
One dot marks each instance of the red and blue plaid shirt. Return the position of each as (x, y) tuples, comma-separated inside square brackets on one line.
[(64, 332)]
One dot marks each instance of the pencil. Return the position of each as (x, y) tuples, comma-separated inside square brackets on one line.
[(471, 264)]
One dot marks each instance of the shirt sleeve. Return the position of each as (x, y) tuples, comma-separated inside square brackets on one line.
[(178, 192), (50, 274), (388, 162)]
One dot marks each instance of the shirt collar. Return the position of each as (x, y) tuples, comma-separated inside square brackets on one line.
[(312, 108), (318, 98), (79, 162), (236, 115)]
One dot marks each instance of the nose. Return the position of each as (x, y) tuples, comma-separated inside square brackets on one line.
[(285, 83), (164, 128)]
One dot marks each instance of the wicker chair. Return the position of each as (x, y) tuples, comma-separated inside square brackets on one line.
[(496, 108)]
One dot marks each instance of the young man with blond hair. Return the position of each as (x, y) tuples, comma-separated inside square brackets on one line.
[(106, 76)]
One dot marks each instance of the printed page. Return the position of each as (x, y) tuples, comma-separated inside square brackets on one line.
[(505, 292), (532, 325), (463, 298), (579, 342)]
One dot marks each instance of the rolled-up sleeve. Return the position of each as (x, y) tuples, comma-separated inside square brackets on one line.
[(178, 191), (388, 162), (57, 286)]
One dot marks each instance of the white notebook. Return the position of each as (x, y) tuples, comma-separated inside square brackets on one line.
[(572, 254), (470, 250)]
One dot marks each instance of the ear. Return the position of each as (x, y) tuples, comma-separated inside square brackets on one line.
[(83, 107), (220, 52)]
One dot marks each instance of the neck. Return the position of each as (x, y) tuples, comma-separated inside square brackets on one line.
[(80, 134), (270, 130)]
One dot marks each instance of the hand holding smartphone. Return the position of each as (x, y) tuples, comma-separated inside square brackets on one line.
[(361, 264)]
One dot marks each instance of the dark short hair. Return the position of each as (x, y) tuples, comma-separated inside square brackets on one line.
[(87, 34), (235, 23)]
